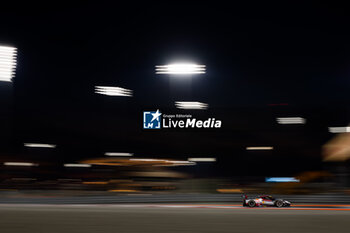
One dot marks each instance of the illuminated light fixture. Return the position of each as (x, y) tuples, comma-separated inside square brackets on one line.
[(8, 57), (339, 129), (202, 159), (113, 91), (180, 69), (39, 145), (259, 148), (190, 105), (291, 120), (281, 179), (22, 164), (182, 162), (77, 165), (118, 154)]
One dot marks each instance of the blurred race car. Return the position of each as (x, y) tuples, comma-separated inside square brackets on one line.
[(264, 200)]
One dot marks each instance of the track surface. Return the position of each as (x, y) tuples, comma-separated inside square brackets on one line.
[(239, 206), (170, 218)]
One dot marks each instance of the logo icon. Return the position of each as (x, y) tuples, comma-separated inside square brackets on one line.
[(151, 120)]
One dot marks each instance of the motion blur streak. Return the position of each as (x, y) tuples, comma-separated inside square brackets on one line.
[(180, 69), (337, 149), (291, 120), (76, 165), (96, 182), (202, 159), (167, 162), (281, 179), (118, 154), (148, 160), (95, 218), (190, 105), (339, 129), (113, 91), (259, 148), (175, 164), (23, 179), (7, 63), (186, 162), (24, 164), (39, 145)]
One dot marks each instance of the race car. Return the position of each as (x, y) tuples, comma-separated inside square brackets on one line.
[(264, 200)]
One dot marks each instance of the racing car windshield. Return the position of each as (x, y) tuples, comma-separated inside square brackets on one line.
[(268, 197)]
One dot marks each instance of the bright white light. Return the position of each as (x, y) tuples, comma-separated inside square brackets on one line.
[(202, 159), (8, 56), (339, 129), (77, 165), (180, 69), (113, 91), (181, 162), (39, 145), (259, 148), (281, 179), (291, 120), (190, 105), (118, 154), (24, 164)]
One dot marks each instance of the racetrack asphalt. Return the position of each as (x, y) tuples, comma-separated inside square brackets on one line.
[(169, 218)]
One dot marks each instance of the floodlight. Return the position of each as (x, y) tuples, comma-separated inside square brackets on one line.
[(8, 57), (39, 145), (291, 120), (339, 129), (190, 105), (113, 91), (180, 69)]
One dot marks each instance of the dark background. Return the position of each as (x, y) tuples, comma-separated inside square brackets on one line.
[(264, 60)]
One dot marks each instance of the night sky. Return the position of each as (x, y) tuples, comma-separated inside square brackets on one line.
[(264, 60)]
